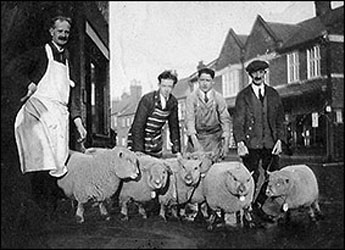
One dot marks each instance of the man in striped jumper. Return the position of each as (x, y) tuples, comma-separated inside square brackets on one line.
[(154, 110)]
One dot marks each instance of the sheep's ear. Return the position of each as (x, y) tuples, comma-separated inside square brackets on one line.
[(268, 172), (251, 173), (167, 167)]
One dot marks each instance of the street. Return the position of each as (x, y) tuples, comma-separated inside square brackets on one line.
[(36, 231)]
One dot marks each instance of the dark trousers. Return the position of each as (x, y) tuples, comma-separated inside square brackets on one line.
[(252, 162), (45, 191)]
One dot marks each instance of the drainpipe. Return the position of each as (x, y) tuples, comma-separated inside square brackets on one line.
[(329, 97)]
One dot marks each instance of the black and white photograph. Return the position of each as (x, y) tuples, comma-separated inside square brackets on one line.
[(172, 124)]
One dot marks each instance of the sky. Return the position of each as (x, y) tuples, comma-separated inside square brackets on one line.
[(147, 38)]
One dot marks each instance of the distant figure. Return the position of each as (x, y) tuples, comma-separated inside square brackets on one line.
[(154, 110), (207, 118), (258, 124)]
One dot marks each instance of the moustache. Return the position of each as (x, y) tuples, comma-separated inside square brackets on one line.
[(257, 78), (63, 38)]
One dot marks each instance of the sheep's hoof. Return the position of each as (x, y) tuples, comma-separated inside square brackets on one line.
[(79, 219), (163, 218), (124, 217), (209, 228)]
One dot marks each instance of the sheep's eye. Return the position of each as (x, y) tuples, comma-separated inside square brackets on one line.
[(235, 179)]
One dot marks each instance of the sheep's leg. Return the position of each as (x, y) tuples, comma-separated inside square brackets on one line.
[(162, 212), (174, 212), (210, 221), (193, 211), (315, 206), (124, 209), (203, 209), (241, 212), (80, 213), (141, 210), (103, 211), (230, 219)]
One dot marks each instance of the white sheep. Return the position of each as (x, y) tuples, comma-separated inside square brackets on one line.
[(153, 178), (183, 180), (290, 188), (96, 176), (228, 187)]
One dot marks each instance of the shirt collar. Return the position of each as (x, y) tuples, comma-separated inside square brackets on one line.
[(58, 48), (208, 93)]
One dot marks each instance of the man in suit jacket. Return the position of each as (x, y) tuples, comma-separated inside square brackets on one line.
[(258, 123)]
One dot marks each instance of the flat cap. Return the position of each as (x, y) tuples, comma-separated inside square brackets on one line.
[(256, 65)]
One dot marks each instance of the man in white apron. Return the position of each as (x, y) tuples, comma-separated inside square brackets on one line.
[(42, 123)]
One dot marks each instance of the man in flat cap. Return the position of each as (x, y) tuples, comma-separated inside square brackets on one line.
[(258, 126)]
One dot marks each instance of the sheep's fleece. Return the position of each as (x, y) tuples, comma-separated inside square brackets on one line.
[(228, 186), (97, 175), (292, 187)]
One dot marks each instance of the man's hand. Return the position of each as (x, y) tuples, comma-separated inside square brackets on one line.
[(81, 130), (242, 149), (31, 90), (277, 149), (196, 144)]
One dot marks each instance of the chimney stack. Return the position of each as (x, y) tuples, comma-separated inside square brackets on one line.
[(322, 7)]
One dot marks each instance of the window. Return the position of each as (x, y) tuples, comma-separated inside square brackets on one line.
[(128, 121), (313, 62), (293, 67), (124, 122), (231, 82)]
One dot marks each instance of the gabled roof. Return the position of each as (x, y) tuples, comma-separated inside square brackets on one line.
[(181, 88), (231, 50), (331, 22), (130, 108), (282, 31)]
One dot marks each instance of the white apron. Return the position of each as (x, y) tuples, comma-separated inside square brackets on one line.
[(42, 123)]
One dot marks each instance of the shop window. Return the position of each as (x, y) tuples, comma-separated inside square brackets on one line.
[(308, 136)]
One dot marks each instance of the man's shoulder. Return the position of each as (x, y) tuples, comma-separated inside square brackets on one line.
[(244, 91)]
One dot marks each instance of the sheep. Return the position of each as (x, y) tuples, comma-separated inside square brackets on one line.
[(96, 176), (292, 187), (183, 180), (228, 187), (153, 178)]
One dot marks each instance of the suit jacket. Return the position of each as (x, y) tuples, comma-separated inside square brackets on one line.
[(244, 122)]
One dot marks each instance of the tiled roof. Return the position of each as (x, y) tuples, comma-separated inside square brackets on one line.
[(181, 88), (282, 31), (313, 28), (130, 108)]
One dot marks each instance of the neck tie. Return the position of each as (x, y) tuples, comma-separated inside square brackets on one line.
[(261, 97), (206, 98)]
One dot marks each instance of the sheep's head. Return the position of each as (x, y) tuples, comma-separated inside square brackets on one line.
[(156, 171), (207, 159), (189, 171), (239, 182), (125, 162), (278, 184)]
